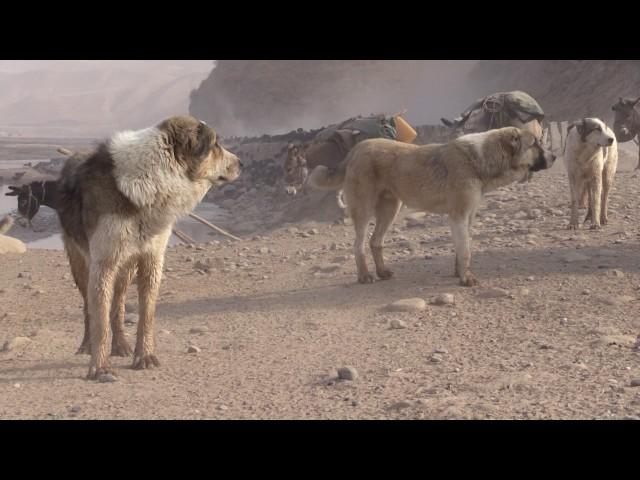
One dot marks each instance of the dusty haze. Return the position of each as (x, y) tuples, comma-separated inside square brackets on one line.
[(91, 98)]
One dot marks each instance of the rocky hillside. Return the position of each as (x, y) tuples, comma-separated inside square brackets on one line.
[(273, 96), (566, 89)]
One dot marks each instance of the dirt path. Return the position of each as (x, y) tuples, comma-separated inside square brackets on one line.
[(548, 334)]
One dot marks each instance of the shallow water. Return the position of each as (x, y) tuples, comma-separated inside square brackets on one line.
[(53, 241)]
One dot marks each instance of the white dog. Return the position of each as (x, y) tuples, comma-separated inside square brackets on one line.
[(591, 159)]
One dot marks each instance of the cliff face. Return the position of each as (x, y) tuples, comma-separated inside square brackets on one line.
[(253, 97), (565, 89)]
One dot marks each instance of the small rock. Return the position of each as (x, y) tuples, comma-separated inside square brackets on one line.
[(15, 343), (107, 378), (615, 273), (407, 305), (199, 330), (188, 259), (75, 409), (443, 299), (327, 268), (347, 373), (531, 278), (130, 319), (314, 231), (400, 405), (635, 382), (396, 324), (492, 293), (263, 250), (223, 407), (164, 332), (193, 349), (435, 358), (442, 350)]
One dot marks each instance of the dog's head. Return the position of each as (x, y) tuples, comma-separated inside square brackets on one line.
[(196, 147), (295, 169), (593, 131), (28, 204), (525, 150)]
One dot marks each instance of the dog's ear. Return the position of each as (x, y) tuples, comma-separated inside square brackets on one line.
[(15, 191), (190, 139), (511, 141), (581, 127)]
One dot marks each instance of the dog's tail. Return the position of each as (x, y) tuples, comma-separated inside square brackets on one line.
[(5, 224), (323, 178)]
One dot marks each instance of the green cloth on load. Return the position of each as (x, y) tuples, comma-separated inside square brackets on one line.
[(369, 127), (517, 102), (523, 105)]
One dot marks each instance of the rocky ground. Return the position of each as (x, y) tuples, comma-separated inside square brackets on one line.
[(276, 327)]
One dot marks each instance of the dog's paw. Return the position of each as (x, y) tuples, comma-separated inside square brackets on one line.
[(573, 226), (120, 347), (85, 349), (365, 278), (384, 274), (469, 280), (595, 226), (142, 362), (95, 372)]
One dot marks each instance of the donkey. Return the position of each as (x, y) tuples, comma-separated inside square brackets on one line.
[(626, 122), (33, 195)]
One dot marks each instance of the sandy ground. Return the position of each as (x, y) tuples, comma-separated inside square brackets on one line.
[(548, 334)]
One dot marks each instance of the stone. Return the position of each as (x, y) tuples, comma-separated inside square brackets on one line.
[(347, 373), (15, 343), (443, 299), (396, 324), (193, 349), (407, 305)]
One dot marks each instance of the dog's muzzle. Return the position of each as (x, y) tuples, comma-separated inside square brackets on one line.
[(545, 160)]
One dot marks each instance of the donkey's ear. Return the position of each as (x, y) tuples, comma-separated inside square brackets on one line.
[(15, 191)]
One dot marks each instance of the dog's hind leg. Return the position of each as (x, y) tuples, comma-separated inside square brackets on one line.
[(149, 277), (386, 211), (102, 278), (460, 234), (119, 345), (80, 273), (360, 219)]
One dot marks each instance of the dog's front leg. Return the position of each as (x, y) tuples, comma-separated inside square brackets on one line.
[(460, 234), (102, 275), (595, 194), (149, 277)]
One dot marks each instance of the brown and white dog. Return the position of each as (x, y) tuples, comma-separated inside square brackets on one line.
[(379, 175), (117, 207)]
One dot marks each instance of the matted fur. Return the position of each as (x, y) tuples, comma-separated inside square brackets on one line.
[(379, 175), (117, 208), (591, 160)]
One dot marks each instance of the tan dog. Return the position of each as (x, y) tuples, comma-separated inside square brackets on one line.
[(117, 207), (591, 160), (378, 176)]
